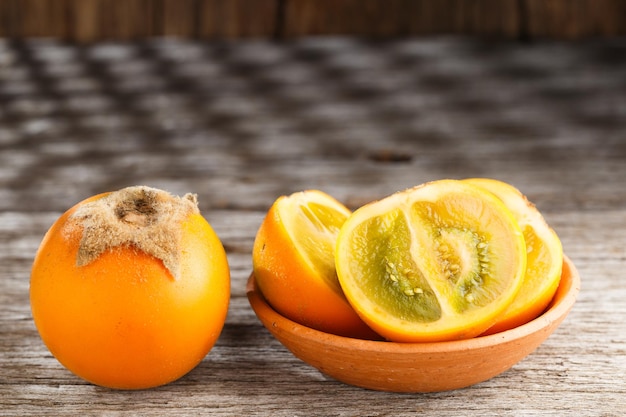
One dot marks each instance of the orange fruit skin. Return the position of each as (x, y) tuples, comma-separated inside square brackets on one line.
[(292, 288), (123, 321)]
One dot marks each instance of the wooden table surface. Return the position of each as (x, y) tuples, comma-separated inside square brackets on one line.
[(242, 123)]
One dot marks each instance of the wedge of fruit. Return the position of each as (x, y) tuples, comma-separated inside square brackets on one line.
[(544, 256), (437, 262), (294, 265)]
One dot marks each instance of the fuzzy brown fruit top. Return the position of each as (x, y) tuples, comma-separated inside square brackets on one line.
[(143, 217)]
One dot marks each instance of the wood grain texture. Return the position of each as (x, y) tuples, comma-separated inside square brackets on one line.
[(180, 17), (229, 19), (129, 19), (39, 18), (91, 20), (242, 123), (84, 20), (575, 19), (401, 17)]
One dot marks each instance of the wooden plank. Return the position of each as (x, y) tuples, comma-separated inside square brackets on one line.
[(358, 17), (575, 18), (427, 17), (7, 18), (94, 20), (128, 19), (400, 17), (41, 18), (179, 18), (90, 20), (490, 17), (85, 20), (237, 18)]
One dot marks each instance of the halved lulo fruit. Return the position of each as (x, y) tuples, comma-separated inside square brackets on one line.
[(544, 254), (440, 261), (294, 264)]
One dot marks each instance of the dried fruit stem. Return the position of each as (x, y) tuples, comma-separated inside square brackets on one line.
[(146, 218)]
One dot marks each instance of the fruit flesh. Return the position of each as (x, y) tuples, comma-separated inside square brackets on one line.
[(402, 278), (436, 262), (313, 228)]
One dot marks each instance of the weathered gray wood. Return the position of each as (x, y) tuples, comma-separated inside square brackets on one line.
[(240, 124)]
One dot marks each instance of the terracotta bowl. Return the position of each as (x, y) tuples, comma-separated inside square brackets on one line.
[(417, 367)]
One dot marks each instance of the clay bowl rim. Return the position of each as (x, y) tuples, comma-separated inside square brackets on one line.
[(558, 309)]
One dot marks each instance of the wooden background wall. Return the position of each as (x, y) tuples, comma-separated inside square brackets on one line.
[(90, 20)]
